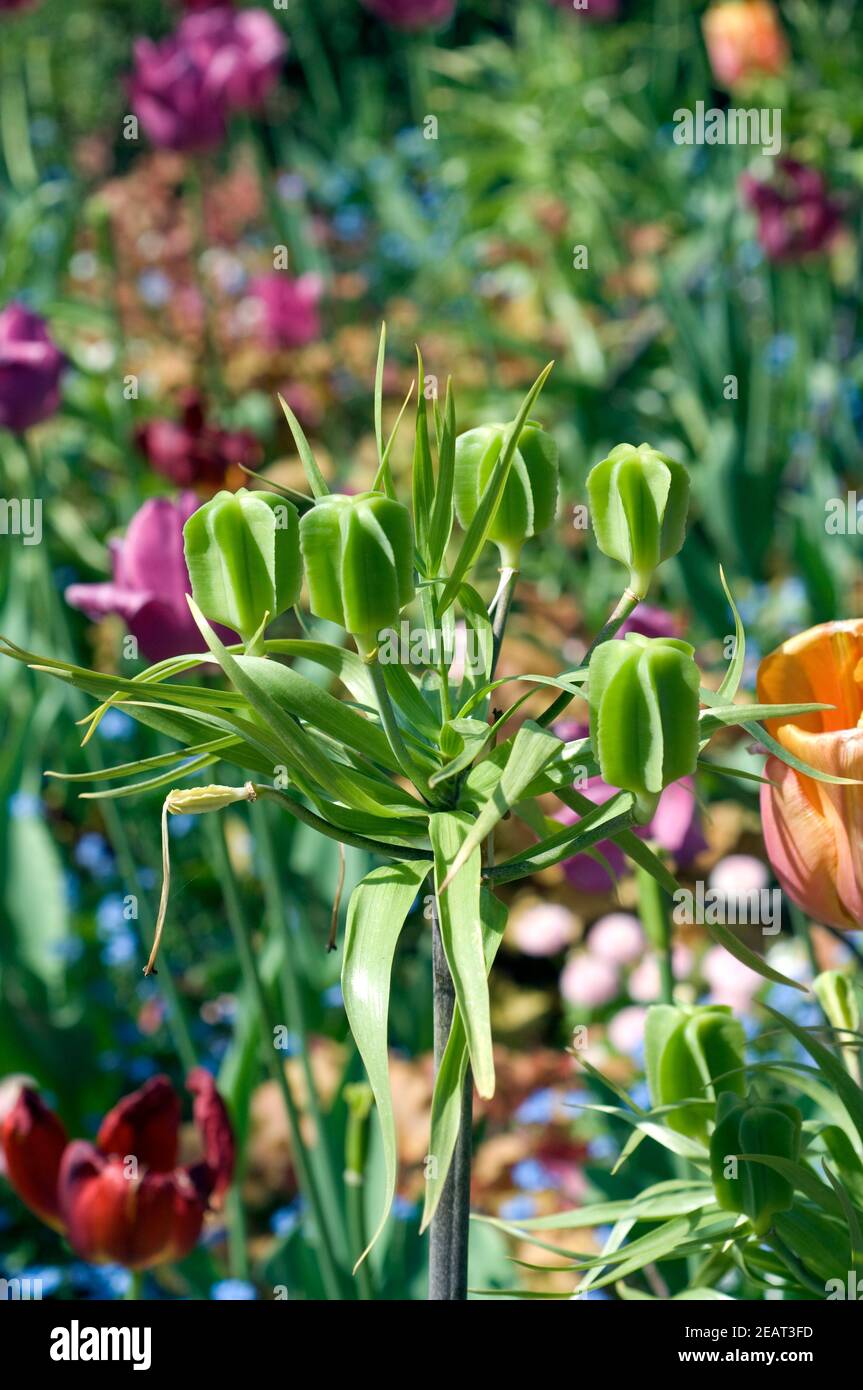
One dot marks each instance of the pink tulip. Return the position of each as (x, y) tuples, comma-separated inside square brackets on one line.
[(239, 51), (813, 831), (744, 41), (30, 369)]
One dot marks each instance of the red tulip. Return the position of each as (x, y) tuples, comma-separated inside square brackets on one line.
[(124, 1199), (813, 831)]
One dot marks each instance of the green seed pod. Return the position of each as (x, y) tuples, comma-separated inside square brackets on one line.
[(243, 556), (359, 558), (638, 505), (694, 1054), (529, 500), (643, 697), (753, 1126)]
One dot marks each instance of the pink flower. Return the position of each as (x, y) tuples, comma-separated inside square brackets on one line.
[(730, 981), (172, 99), (239, 51), (30, 368), (617, 938), (287, 308), (644, 982), (588, 982), (626, 1029), (192, 451), (796, 216), (542, 929), (150, 581), (412, 14), (674, 826)]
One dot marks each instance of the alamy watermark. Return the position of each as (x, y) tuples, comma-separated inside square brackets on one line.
[(705, 125), (715, 907), (21, 516)]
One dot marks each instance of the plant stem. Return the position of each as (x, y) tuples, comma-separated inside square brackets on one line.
[(657, 929), (330, 1273), (501, 604), (451, 1222), (627, 603)]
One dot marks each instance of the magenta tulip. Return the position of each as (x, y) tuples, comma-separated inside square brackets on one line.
[(30, 368)]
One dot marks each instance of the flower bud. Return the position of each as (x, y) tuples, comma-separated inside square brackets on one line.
[(692, 1054), (243, 554), (643, 696), (359, 559), (753, 1126), (529, 499), (638, 505)]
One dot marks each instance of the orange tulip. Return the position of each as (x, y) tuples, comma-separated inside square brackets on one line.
[(744, 40), (814, 830)]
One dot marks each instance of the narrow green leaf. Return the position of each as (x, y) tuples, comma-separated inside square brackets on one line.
[(440, 527), (315, 477), (462, 936), (735, 947), (847, 1089), (376, 915), (379, 393), (449, 1082), (423, 473), (731, 680)]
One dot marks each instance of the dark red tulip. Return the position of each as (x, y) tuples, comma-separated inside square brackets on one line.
[(190, 451), (30, 369), (33, 1140), (796, 215), (123, 1200)]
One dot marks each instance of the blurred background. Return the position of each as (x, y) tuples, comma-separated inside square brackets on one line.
[(203, 206)]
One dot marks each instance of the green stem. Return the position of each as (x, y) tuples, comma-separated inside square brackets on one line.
[(657, 928), (359, 1101), (502, 603), (393, 732), (330, 1272), (135, 1291), (627, 603)]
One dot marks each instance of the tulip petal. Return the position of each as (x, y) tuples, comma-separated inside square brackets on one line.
[(214, 1127), (34, 1140), (144, 1125)]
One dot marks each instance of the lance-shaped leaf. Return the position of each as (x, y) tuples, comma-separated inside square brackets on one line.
[(376, 915), (440, 526), (462, 937), (532, 750), (449, 1082), (731, 680), (423, 472), (315, 477), (845, 1087)]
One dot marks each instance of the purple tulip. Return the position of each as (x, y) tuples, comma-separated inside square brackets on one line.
[(412, 14), (150, 583), (240, 52), (287, 308), (30, 368), (796, 216), (172, 99)]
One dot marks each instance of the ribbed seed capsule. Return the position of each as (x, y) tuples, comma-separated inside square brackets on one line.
[(243, 557), (696, 1054), (753, 1126), (638, 505), (359, 560), (643, 697), (529, 499)]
